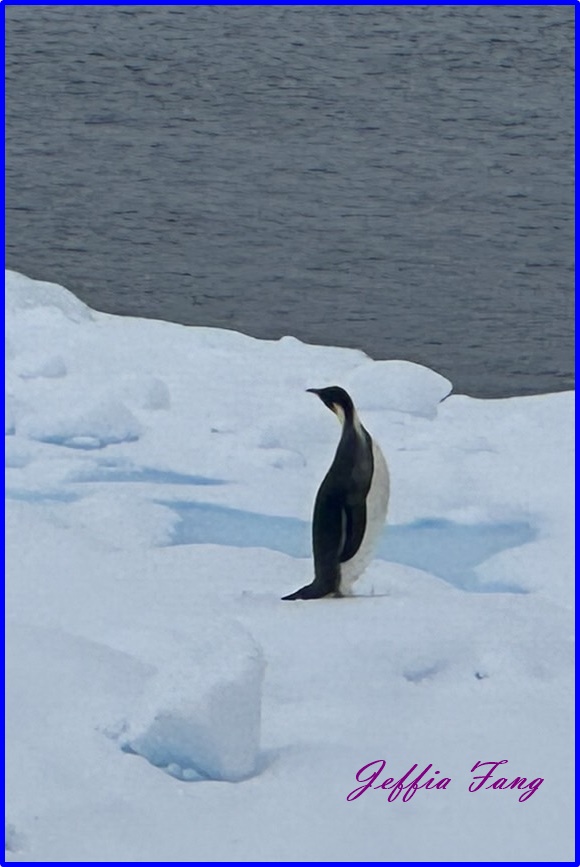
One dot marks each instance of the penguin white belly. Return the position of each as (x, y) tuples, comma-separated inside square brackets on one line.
[(377, 503)]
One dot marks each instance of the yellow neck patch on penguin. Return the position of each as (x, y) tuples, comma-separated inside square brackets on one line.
[(339, 412)]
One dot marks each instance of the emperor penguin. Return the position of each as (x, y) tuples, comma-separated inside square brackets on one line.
[(350, 506)]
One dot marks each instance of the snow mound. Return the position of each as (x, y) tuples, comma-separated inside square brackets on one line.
[(398, 385), (61, 692), (142, 391), (122, 520), (92, 426), (23, 293), (199, 717), (39, 366)]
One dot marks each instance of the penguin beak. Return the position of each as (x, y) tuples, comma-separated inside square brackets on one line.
[(317, 391), (333, 407)]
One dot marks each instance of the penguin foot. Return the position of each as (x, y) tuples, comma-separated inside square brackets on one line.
[(296, 595), (310, 591)]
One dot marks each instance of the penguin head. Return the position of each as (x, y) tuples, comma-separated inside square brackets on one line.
[(337, 400)]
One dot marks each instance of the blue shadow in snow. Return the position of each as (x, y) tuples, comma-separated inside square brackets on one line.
[(203, 523), (446, 549), (40, 496), (87, 443), (112, 473), (452, 551)]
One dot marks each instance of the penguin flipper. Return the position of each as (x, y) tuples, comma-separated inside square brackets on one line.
[(354, 530)]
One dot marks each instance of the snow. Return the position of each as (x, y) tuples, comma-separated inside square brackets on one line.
[(398, 386), (164, 704)]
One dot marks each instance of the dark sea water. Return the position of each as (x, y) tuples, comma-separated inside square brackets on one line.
[(393, 178)]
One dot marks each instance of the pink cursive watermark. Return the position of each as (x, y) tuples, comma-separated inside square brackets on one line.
[(413, 780)]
